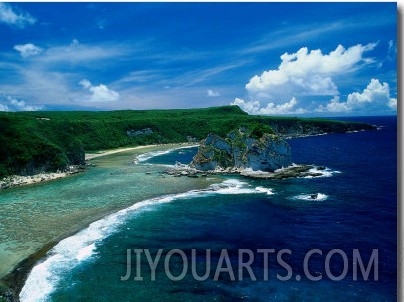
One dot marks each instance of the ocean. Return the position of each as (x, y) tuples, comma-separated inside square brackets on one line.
[(332, 237)]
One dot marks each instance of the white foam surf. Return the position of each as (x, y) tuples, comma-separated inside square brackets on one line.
[(311, 197), (268, 191), (148, 155), (327, 172), (70, 252), (283, 169), (232, 186)]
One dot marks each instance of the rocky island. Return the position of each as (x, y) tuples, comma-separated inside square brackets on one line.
[(241, 150), (250, 152)]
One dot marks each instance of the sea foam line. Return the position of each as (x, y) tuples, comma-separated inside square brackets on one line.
[(71, 251), (146, 156)]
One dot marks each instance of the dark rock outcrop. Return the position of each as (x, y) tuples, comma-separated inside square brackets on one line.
[(141, 132)]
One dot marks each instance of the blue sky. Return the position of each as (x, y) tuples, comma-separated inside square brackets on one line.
[(308, 59)]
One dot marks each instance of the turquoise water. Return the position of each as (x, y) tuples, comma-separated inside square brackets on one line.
[(356, 209), (34, 215)]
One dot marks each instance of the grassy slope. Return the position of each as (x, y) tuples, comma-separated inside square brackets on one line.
[(35, 141)]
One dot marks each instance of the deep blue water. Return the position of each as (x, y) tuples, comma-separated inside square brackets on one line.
[(357, 210)]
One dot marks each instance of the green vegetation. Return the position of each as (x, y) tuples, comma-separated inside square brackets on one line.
[(31, 142)]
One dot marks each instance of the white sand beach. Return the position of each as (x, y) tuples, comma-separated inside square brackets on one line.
[(21, 180)]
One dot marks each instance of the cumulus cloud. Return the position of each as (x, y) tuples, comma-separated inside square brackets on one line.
[(254, 107), (18, 105), (212, 93), (311, 76), (10, 16), (376, 96), (308, 72), (28, 50), (251, 107), (99, 93)]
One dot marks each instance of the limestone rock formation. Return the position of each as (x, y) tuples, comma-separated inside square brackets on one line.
[(239, 151)]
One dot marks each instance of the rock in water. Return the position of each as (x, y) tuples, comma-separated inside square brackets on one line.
[(239, 150)]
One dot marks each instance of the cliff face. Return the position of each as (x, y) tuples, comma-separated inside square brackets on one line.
[(294, 127), (241, 151), (51, 158)]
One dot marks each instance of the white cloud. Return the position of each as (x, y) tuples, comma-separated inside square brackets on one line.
[(254, 107), (99, 93), (392, 103), (85, 83), (391, 44), (376, 96), (293, 35), (334, 106), (52, 76), (392, 51), (18, 105), (4, 108), (28, 50), (80, 53), (212, 93), (9, 16), (200, 75), (307, 72), (311, 75), (251, 107), (43, 85)]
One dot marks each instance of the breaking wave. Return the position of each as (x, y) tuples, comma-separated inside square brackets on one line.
[(72, 251)]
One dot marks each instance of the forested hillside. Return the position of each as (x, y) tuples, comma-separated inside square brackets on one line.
[(32, 142)]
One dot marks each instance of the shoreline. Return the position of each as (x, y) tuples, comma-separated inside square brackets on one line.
[(15, 280), (12, 283), (19, 180), (89, 156), (22, 180)]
